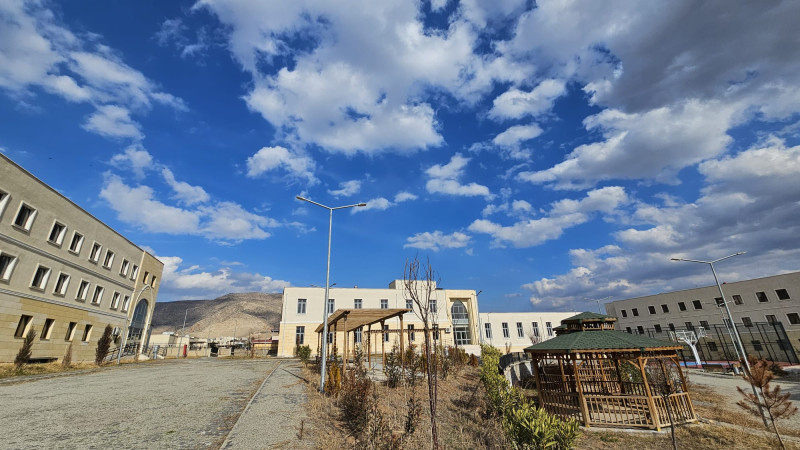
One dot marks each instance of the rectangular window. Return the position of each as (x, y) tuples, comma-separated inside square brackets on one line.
[(357, 303), (124, 267), (762, 297), (409, 303), (301, 306), (624, 313), (718, 301), (651, 309), (689, 325), (3, 201), (704, 324), (57, 233), (25, 217), (134, 272), (94, 255), (40, 278), (696, 304), (635, 312), (657, 327), (22, 326), (70, 331), (640, 329), (331, 305), (505, 330), (737, 300), (782, 294), (330, 337), (126, 302), (771, 319), (628, 330), (76, 243), (299, 335), (62, 282), (727, 323), (747, 322), (682, 306), (47, 329), (432, 306), (83, 290), (487, 329), (87, 333), (97, 297), (794, 318), (411, 333), (153, 281), (712, 346), (549, 326), (115, 300), (386, 333), (384, 303), (664, 308), (357, 335), (144, 278), (671, 326), (535, 326), (520, 331), (7, 263), (757, 346), (435, 332)]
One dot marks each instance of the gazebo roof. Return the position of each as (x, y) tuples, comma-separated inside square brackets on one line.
[(357, 318), (594, 317), (600, 340)]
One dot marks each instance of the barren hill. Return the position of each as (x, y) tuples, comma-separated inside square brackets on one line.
[(243, 314)]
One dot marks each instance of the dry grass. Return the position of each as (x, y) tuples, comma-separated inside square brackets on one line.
[(8, 370)]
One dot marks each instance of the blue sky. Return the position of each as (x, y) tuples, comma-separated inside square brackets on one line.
[(542, 152)]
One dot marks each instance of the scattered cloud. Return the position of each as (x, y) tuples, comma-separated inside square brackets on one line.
[(516, 104), (185, 193), (114, 122), (444, 179), (272, 158), (347, 189), (195, 282), (437, 241)]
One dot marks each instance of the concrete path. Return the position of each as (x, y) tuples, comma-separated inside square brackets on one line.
[(275, 414)]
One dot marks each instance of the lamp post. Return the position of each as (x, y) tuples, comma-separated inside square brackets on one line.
[(327, 284), (125, 338), (730, 318), (598, 301), (183, 330)]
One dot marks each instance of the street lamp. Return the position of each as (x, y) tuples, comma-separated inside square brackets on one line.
[(730, 317), (598, 301), (183, 330), (125, 338), (327, 284)]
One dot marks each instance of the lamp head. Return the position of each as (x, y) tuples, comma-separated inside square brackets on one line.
[(301, 198), (361, 204)]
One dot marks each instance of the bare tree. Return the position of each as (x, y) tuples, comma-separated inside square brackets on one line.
[(771, 400), (535, 339), (419, 285), (664, 382)]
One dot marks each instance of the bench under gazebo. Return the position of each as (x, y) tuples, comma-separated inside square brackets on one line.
[(602, 377)]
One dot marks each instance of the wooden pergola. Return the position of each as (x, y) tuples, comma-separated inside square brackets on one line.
[(603, 377), (354, 319)]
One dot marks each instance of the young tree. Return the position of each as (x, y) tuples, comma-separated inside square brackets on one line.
[(103, 344), (24, 354), (664, 382), (67, 361), (777, 405), (419, 285)]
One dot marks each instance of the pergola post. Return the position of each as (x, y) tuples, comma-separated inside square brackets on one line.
[(383, 344), (402, 346), (584, 409), (369, 346), (319, 345), (650, 402), (619, 376), (344, 352), (536, 375)]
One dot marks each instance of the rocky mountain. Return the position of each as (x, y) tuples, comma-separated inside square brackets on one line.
[(245, 314)]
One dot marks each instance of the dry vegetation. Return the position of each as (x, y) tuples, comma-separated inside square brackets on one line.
[(9, 370), (463, 422)]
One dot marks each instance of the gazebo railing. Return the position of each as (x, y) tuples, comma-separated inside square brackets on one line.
[(613, 410), (680, 405)]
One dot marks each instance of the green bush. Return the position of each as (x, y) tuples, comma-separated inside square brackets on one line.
[(304, 353), (525, 426), (393, 368), (355, 396)]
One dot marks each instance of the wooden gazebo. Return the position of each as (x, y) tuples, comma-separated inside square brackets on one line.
[(348, 320), (608, 378)]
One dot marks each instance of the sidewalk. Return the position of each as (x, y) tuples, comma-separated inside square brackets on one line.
[(273, 417)]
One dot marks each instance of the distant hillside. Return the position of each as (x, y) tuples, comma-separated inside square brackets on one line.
[(246, 313)]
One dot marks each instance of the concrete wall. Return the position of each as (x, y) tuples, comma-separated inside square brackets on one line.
[(530, 322)]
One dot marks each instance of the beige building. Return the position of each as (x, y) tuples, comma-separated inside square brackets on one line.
[(766, 312), (512, 332), (66, 274), (455, 316)]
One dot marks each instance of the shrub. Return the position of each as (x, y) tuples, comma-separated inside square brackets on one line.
[(355, 396), (393, 368), (67, 361), (411, 365), (24, 353), (333, 378), (103, 344), (304, 353)]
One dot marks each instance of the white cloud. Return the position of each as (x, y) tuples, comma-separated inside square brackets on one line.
[(444, 179), (516, 134), (193, 282), (185, 193), (347, 189), (271, 158), (134, 157), (222, 221), (404, 197), (516, 104), (382, 204), (437, 240), (115, 122)]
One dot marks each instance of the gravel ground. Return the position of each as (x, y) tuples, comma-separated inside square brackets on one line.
[(725, 385), (175, 404)]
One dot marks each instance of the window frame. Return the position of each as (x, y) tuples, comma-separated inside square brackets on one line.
[(651, 309), (5, 273), (747, 321), (665, 308), (59, 239), (299, 335), (432, 306), (47, 329), (124, 267), (635, 312), (83, 290), (624, 313), (785, 293), (87, 333), (384, 303), (23, 326), (115, 300), (331, 305), (506, 333), (790, 316), (4, 196), (134, 272), (697, 305), (737, 299), (549, 326), (358, 303), (487, 329), (410, 328), (71, 327), (45, 278), (75, 247), (302, 304), (681, 306), (97, 295), (26, 227), (95, 251), (63, 284), (520, 330), (108, 260), (535, 328), (126, 303), (763, 295), (658, 329)]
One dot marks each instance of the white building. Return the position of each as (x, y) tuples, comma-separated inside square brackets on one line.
[(512, 332)]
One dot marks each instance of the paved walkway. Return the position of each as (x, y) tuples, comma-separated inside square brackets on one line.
[(275, 414)]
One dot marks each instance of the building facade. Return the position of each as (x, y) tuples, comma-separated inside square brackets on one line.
[(513, 332), (454, 314), (766, 312), (66, 274)]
